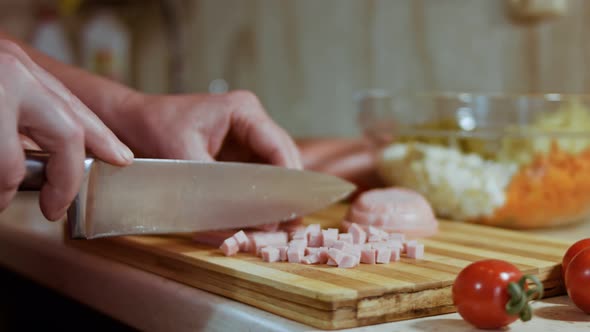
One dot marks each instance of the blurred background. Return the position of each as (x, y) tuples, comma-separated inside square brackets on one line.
[(306, 59)]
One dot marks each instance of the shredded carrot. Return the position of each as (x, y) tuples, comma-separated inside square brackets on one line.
[(554, 189)]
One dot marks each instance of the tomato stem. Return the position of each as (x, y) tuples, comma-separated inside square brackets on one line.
[(519, 298)]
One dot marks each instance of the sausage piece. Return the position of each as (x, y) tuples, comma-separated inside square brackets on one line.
[(394, 210)]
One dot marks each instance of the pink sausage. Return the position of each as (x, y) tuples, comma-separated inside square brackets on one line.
[(415, 250), (359, 236), (394, 210), (230, 246), (316, 240), (311, 259), (368, 256), (295, 255), (270, 254), (243, 241), (383, 255), (329, 236), (335, 255), (348, 261), (395, 255), (283, 253)]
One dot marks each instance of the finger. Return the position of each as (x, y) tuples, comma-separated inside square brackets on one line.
[(27, 143), (253, 128), (267, 140), (99, 139), (12, 169), (46, 119), (293, 151), (191, 147), (318, 152)]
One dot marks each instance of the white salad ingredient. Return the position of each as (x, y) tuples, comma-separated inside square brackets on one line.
[(457, 185)]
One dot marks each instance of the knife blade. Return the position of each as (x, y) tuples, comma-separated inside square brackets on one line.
[(159, 196)]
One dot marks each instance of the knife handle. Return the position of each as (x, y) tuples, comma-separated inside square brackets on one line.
[(35, 162)]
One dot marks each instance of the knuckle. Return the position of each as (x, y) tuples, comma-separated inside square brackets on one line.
[(244, 97), (72, 130), (246, 103), (12, 69)]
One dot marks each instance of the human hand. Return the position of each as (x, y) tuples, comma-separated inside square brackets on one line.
[(35, 104), (348, 158), (224, 127)]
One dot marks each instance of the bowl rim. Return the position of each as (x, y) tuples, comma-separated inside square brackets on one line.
[(468, 97)]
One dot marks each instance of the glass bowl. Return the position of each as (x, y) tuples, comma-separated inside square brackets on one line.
[(513, 161)]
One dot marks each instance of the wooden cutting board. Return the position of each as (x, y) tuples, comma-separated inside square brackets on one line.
[(332, 298)]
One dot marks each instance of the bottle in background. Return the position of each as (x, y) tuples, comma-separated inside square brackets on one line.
[(105, 43), (50, 36)]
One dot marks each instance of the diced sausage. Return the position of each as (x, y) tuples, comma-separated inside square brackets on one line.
[(313, 229), (415, 250), (359, 236), (383, 255), (299, 235), (354, 249), (230, 246), (311, 259), (329, 236), (260, 240), (302, 244), (270, 254), (375, 234), (283, 253), (368, 256), (346, 237), (408, 243), (341, 245), (315, 240), (394, 244), (310, 250), (243, 241), (374, 238), (348, 261), (295, 254), (335, 255), (323, 253), (395, 255)]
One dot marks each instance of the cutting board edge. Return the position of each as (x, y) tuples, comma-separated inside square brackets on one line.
[(344, 316)]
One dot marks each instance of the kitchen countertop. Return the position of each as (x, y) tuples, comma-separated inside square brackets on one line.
[(34, 247)]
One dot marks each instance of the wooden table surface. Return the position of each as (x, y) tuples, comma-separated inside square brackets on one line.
[(34, 248)]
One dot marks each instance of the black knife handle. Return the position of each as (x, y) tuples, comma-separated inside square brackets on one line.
[(35, 162)]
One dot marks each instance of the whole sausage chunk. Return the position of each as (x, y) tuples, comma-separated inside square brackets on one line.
[(394, 210)]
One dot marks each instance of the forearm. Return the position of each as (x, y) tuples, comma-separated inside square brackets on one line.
[(104, 97)]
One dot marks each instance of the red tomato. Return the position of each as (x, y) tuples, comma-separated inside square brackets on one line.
[(480, 293), (577, 279), (571, 252)]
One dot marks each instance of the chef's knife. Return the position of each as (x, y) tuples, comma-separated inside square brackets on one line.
[(158, 196)]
